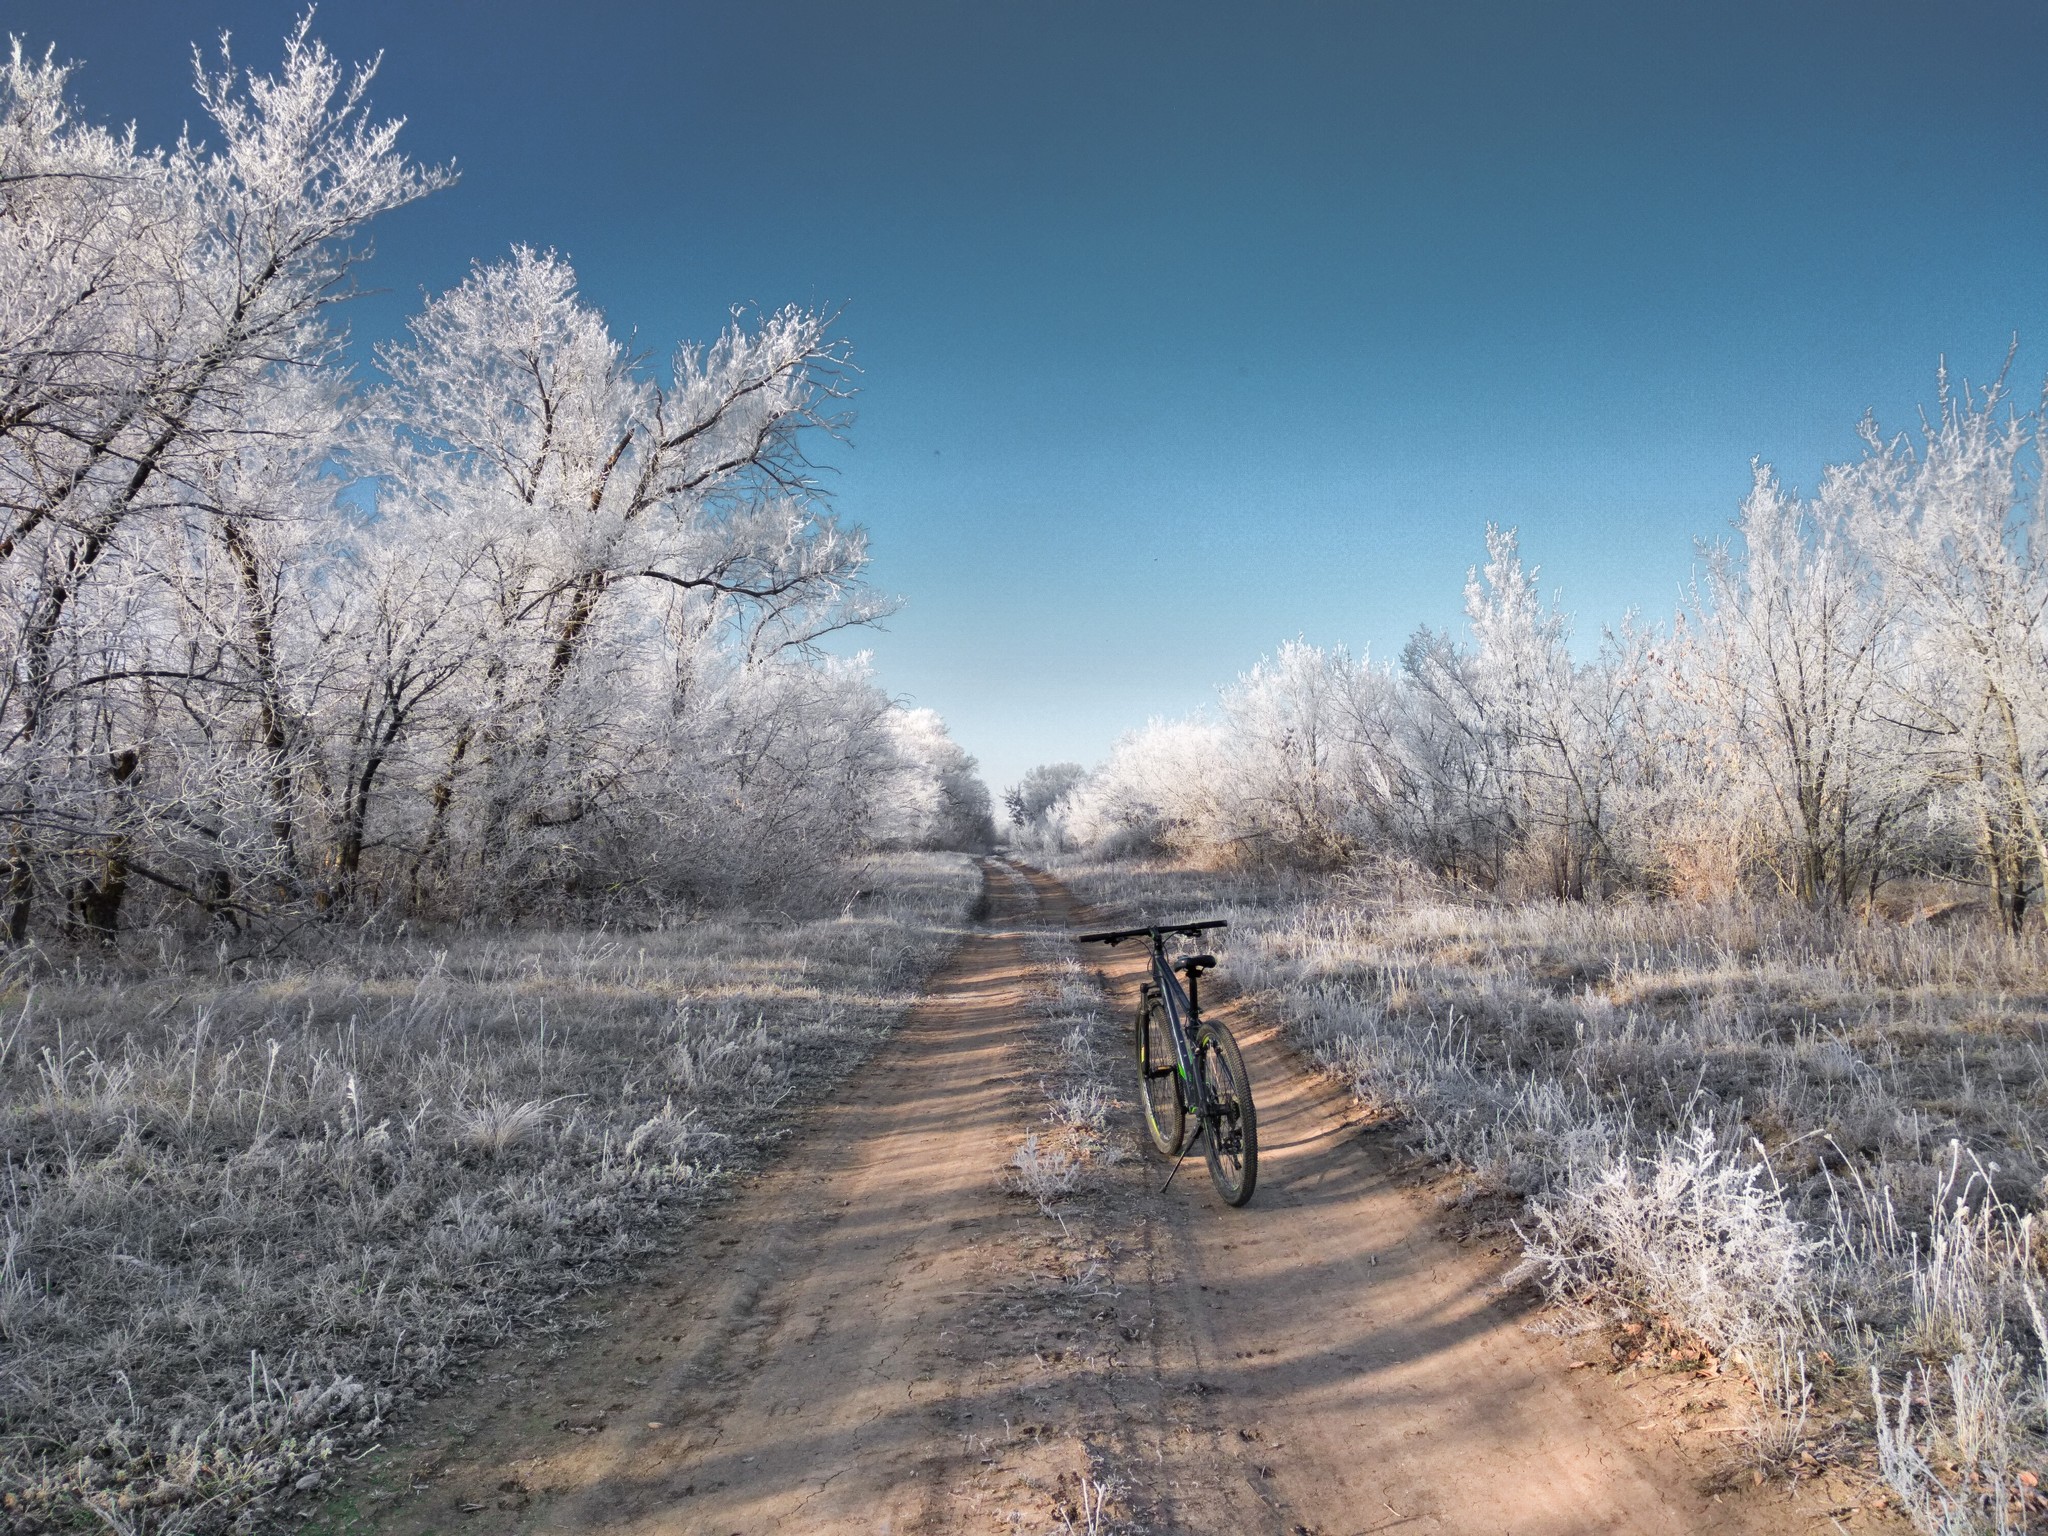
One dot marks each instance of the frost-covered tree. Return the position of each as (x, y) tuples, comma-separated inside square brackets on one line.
[(937, 799), (1312, 774), (1566, 754), (1786, 660), (1957, 531), (158, 313), (610, 513), (1032, 801), (560, 638), (1160, 790)]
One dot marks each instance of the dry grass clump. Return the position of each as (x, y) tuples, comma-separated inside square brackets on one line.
[(245, 1213), (1817, 1145), (1690, 1234)]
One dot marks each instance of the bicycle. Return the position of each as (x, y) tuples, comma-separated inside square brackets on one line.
[(1202, 1066)]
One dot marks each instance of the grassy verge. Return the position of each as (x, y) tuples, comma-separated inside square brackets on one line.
[(1763, 1139), (246, 1215), (1074, 1050)]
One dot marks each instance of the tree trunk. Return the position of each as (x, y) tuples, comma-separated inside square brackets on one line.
[(269, 700), (441, 797)]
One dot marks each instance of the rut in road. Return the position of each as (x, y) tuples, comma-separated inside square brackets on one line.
[(882, 1336)]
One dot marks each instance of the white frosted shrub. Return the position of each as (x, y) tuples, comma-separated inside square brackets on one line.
[(1156, 790), (1045, 1173), (1689, 1234)]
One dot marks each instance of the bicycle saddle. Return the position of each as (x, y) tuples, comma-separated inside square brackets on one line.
[(1194, 963)]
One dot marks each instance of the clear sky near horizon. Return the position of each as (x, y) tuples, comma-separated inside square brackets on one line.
[(1191, 327)]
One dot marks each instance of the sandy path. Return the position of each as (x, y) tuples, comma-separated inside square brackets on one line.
[(879, 1336)]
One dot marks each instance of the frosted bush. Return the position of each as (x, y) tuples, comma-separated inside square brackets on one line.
[(1085, 1108), (1045, 1173), (1688, 1234)]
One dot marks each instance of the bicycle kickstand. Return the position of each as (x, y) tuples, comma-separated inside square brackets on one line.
[(1185, 1148)]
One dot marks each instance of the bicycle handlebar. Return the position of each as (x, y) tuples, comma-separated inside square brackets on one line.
[(1152, 930)]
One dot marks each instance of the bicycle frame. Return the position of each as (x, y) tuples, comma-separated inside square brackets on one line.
[(1181, 1007)]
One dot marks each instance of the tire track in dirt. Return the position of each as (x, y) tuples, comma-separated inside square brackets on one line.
[(879, 1336)]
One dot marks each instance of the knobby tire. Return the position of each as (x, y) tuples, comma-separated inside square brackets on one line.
[(1159, 1090), (1231, 1143)]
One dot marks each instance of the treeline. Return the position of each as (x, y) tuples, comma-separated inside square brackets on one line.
[(523, 620), (1855, 691)]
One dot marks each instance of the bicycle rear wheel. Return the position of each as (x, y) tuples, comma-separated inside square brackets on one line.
[(1231, 1140), (1159, 1093)]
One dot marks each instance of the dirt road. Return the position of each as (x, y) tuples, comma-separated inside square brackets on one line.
[(882, 1336)]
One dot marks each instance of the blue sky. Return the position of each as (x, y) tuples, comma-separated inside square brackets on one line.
[(1187, 328)]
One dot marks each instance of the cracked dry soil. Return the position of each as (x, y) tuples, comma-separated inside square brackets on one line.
[(881, 1336)]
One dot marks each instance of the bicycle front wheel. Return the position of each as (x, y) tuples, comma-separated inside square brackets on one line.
[(1159, 1094), (1230, 1138)]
